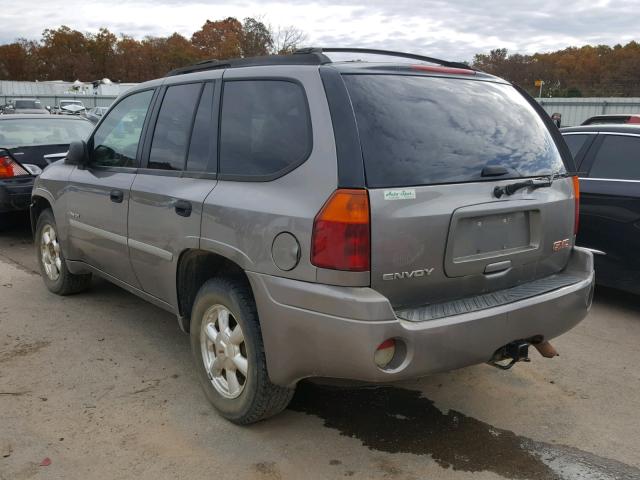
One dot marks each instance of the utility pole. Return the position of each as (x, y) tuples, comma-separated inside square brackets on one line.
[(539, 83)]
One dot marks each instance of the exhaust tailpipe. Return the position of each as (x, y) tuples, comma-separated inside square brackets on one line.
[(546, 349)]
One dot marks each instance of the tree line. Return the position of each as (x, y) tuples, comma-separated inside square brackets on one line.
[(589, 71), (67, 54)]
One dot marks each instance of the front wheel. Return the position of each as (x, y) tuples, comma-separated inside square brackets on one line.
[(229, 354), (53, 267)]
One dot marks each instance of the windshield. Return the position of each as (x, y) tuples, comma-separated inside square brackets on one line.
[(30, 132), (419, 130), (28, 104)]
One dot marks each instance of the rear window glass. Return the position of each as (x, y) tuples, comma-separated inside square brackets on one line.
[(29, 104), (418, 130), (29, 132)]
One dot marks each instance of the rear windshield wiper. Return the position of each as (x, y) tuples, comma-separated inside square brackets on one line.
[(514, 187)]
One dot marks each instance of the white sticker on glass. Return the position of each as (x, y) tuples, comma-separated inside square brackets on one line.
[(404, 194)]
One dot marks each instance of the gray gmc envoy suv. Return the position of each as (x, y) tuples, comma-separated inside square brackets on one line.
[(367, 221)]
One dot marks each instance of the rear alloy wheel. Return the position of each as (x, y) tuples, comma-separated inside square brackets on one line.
[(53, 267), (228, 351), (224, 352)]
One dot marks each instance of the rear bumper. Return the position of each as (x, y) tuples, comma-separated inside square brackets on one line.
[(15, 194), (312, 330)]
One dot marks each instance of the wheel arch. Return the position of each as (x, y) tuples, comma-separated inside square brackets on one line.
[(39, 203), (195, 267)]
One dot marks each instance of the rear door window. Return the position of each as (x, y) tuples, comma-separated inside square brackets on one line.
[(419, 130), (617, 158), (265, 128), (202, 157), (171, 135)]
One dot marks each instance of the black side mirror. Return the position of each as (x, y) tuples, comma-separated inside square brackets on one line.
[(78, 154)]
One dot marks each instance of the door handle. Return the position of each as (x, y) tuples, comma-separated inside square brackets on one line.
[(116, 196), (183, 208)]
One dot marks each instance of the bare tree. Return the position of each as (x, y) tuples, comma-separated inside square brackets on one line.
[(286, 39)]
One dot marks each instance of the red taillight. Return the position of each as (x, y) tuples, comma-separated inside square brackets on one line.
[(576, 195), (450, 70), (634, 120), (340, 239), (10, 168)]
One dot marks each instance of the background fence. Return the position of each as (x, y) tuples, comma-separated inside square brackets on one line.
[(89, 101), (574, 111)]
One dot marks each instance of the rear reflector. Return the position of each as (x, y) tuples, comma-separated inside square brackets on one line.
[(576, 195), (10, 168), (341, 236), (384, 353), (450, 70)]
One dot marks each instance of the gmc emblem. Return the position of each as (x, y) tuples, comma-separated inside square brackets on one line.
[(560, 244)]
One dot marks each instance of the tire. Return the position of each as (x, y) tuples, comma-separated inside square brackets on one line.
[(257, 398), (59, 280)]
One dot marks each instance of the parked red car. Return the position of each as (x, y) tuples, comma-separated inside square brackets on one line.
[(613, 118)]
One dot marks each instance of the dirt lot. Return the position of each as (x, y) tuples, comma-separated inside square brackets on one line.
[(101, 384)]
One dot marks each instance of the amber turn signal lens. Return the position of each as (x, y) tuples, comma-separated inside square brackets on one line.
[(341, 235)]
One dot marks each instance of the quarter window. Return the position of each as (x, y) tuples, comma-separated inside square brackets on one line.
[(575, 143), (115, 142), (617, 158), (265, 127), (171, 135)]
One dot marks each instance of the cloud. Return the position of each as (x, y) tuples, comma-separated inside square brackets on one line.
[(455, 29)]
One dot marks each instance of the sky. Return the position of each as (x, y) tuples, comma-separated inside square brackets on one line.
[(454, 29)]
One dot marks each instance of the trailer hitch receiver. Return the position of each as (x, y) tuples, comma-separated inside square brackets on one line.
[(507, 356)]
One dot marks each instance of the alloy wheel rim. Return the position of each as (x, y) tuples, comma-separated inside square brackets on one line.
[(224, 351), (50, 253)]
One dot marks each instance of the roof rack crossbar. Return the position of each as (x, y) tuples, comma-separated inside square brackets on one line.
[(437, 61)]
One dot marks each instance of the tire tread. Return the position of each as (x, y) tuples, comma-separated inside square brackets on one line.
[(270, 399), (71, 283)]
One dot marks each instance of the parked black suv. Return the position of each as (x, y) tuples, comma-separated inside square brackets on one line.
[(608, 159)]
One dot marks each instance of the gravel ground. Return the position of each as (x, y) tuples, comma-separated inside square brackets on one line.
[(101, 385)]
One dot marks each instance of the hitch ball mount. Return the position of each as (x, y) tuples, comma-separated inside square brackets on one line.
[(514, 352), (518, 351)]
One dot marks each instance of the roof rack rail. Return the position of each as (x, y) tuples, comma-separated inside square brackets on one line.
[(197, 67), (303, 56), (413, 56), (315, 58)]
